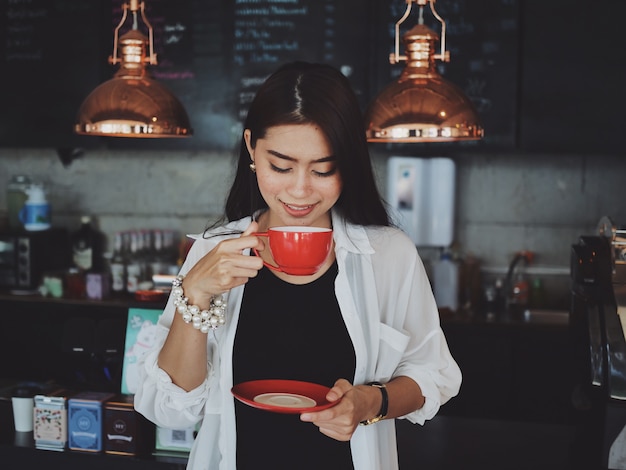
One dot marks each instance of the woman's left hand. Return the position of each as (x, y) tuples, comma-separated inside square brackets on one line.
[(355, 404)]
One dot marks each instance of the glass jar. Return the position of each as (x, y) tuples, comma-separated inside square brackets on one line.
[(16, 198)]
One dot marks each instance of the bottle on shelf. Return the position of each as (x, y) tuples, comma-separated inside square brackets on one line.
[(446, 282), (491, 309), (158, 258), (87, 247), (537, 297), (146, 257), (171, 244), (521, 291), (500, 297), (35, 215), (133, 265), (117, 265)]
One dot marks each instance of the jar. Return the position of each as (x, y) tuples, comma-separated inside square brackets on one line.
[(16, 198), (75, 284), (35, 215)]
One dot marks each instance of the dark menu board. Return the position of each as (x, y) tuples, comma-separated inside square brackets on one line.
[(213, 55), (268, 33), (49, 56)]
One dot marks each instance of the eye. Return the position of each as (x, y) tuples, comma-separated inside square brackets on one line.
[(325, 174), (278, 169)]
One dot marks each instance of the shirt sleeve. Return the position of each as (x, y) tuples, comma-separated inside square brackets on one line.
[(408, 308), (163, 402), (157, 397)]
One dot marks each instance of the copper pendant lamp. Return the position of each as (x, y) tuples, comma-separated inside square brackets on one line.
[(132, 103), (421, 105)]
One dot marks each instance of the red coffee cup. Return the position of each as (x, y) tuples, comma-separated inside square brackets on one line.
[(299, 251)]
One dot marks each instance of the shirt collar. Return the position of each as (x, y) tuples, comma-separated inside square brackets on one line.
[(227, 230), (350, 237)]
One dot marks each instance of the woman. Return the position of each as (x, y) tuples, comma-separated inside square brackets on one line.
[(365, 324)]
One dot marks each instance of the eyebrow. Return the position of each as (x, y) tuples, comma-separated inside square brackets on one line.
[(330, 158)]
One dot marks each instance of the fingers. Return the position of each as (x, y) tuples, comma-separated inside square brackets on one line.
[(338, 421), (253, 228), (225, 266), (245, 241), (338, 436)]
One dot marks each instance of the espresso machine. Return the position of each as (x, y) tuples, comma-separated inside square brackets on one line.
[(598, 332)]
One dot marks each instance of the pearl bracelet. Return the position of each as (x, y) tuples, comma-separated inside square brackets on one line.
[(203, 320)]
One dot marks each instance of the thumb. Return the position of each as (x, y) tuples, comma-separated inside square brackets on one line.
[(341, 387)]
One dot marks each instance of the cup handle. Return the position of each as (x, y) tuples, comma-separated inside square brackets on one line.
[(269, 265)]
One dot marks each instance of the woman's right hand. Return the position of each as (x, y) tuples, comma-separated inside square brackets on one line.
[(224, 267), (184, 354)]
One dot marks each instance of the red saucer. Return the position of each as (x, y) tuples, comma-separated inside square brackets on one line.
[(283, 396)]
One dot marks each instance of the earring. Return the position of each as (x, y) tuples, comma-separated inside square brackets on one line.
[(252, 167)]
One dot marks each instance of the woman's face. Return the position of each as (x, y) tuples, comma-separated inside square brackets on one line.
[(297, 174)]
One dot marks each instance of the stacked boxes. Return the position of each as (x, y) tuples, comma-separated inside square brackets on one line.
[(91, 422)]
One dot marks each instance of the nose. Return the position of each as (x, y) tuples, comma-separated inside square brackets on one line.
[(300, 186)]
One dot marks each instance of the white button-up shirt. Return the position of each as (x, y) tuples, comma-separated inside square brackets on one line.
[(390, 313)]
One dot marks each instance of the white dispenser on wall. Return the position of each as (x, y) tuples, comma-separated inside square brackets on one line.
[(421, 193)]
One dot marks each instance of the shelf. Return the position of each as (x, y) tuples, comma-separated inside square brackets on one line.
[(122, 302)]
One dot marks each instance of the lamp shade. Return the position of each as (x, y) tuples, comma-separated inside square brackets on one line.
[(132, 107), (421, 105), (132, 103)]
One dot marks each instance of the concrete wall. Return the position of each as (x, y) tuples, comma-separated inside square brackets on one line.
[(505, 203)]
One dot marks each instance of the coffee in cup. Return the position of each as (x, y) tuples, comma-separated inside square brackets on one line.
[(299, 251)]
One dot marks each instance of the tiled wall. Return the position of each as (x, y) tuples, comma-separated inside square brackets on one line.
[(505, 203)]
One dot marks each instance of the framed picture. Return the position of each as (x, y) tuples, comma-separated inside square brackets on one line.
[(140, 337)]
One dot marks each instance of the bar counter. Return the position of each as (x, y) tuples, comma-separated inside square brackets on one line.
[(513, 411), (444, 443)]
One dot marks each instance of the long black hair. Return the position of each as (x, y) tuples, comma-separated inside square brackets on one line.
[(307, 93)]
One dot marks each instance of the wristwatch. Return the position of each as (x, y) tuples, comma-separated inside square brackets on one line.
[(383, 407)]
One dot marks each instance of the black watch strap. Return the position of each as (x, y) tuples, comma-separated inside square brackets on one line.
[(383, 407)]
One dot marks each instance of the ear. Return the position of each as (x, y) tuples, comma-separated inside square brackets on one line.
[(247, 135)]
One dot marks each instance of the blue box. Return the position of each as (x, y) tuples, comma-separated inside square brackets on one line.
[(85, 420)]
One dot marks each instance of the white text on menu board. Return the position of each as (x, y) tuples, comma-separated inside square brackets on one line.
[(262, 28), (24, 20)]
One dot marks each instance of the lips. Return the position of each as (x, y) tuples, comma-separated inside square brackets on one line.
[(298, 210)]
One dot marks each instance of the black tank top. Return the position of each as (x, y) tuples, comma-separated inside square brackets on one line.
[(296, 332)]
